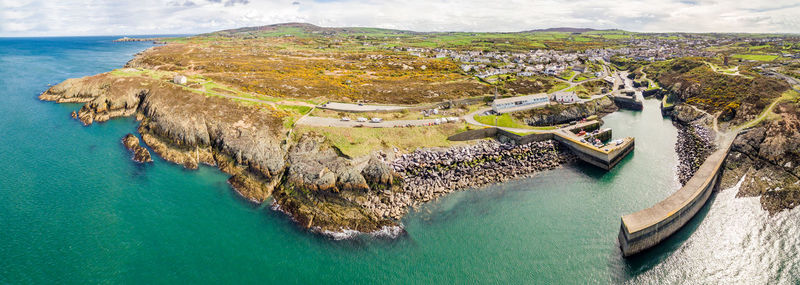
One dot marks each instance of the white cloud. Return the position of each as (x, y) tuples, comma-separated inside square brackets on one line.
[(105, 17)]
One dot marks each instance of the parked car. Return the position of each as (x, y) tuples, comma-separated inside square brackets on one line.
[(361, 119), (345, 119), (376, 120)]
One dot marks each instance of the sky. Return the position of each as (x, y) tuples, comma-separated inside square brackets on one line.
[(143, 17)]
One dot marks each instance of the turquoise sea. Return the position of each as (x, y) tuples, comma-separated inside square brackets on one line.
[(75, 209)]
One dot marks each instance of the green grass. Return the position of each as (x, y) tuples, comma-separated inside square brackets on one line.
[(652, 85), (584, 76), (302, 110), (758, 47), (567, 74), (666, 102), (757, 57), (559, 86), (506, 121)]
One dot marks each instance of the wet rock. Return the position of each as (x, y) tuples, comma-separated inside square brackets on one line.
[(140, 153)]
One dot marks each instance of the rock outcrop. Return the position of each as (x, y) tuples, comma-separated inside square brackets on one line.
[(187, 128), (559, 114), (768, 157), (140, 153), (685, 114), (378, 174), (322, 190)]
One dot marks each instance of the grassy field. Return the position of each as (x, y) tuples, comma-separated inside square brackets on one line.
[(583, 76), (580, 91), (506, 121), (300, 110), (558, 86), (757, 57), (356, 142), (567, 74)]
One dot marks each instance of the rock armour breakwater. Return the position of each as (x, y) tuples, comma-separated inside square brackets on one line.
[(695, 144), (429, 174)]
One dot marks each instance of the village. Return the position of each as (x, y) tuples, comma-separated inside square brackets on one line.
[(486, 64)]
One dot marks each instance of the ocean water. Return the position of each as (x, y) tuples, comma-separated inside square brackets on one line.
[(75, 209)]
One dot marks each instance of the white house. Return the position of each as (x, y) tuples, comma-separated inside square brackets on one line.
[(179, 79), (520, 103)]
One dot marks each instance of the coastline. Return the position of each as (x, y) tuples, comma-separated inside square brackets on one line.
[(249, 145)]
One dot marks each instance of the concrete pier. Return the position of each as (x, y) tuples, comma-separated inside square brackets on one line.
[(606, 157), (647, 228)]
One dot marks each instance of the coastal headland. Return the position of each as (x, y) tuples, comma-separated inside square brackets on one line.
[(345, 135)]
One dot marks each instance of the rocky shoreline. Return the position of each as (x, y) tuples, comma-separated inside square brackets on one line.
[(432, 173), (140, 153), (695, 143), (392, 184), (767, 156)]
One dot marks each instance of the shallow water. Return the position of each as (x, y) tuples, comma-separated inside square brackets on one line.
[(75, 209)]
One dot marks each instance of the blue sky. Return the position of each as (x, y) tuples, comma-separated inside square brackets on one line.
[(106, 17)]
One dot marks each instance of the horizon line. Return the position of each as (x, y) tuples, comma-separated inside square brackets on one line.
[(533, 30)]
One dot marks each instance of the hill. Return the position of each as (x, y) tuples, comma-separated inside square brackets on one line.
[(563, 30)]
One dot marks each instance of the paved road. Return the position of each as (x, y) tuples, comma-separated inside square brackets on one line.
[(334, 122), (791, 80), (347, 107)]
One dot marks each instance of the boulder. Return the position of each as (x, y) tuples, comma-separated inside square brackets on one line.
[(378, 173)]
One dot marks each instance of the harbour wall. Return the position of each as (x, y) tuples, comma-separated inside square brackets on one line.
[(646, 228), (592, 155), (628, 102)]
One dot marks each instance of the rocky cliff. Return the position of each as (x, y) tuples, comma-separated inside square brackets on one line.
[(558, 114), (187, 128), (768, 157), (247, 142)]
